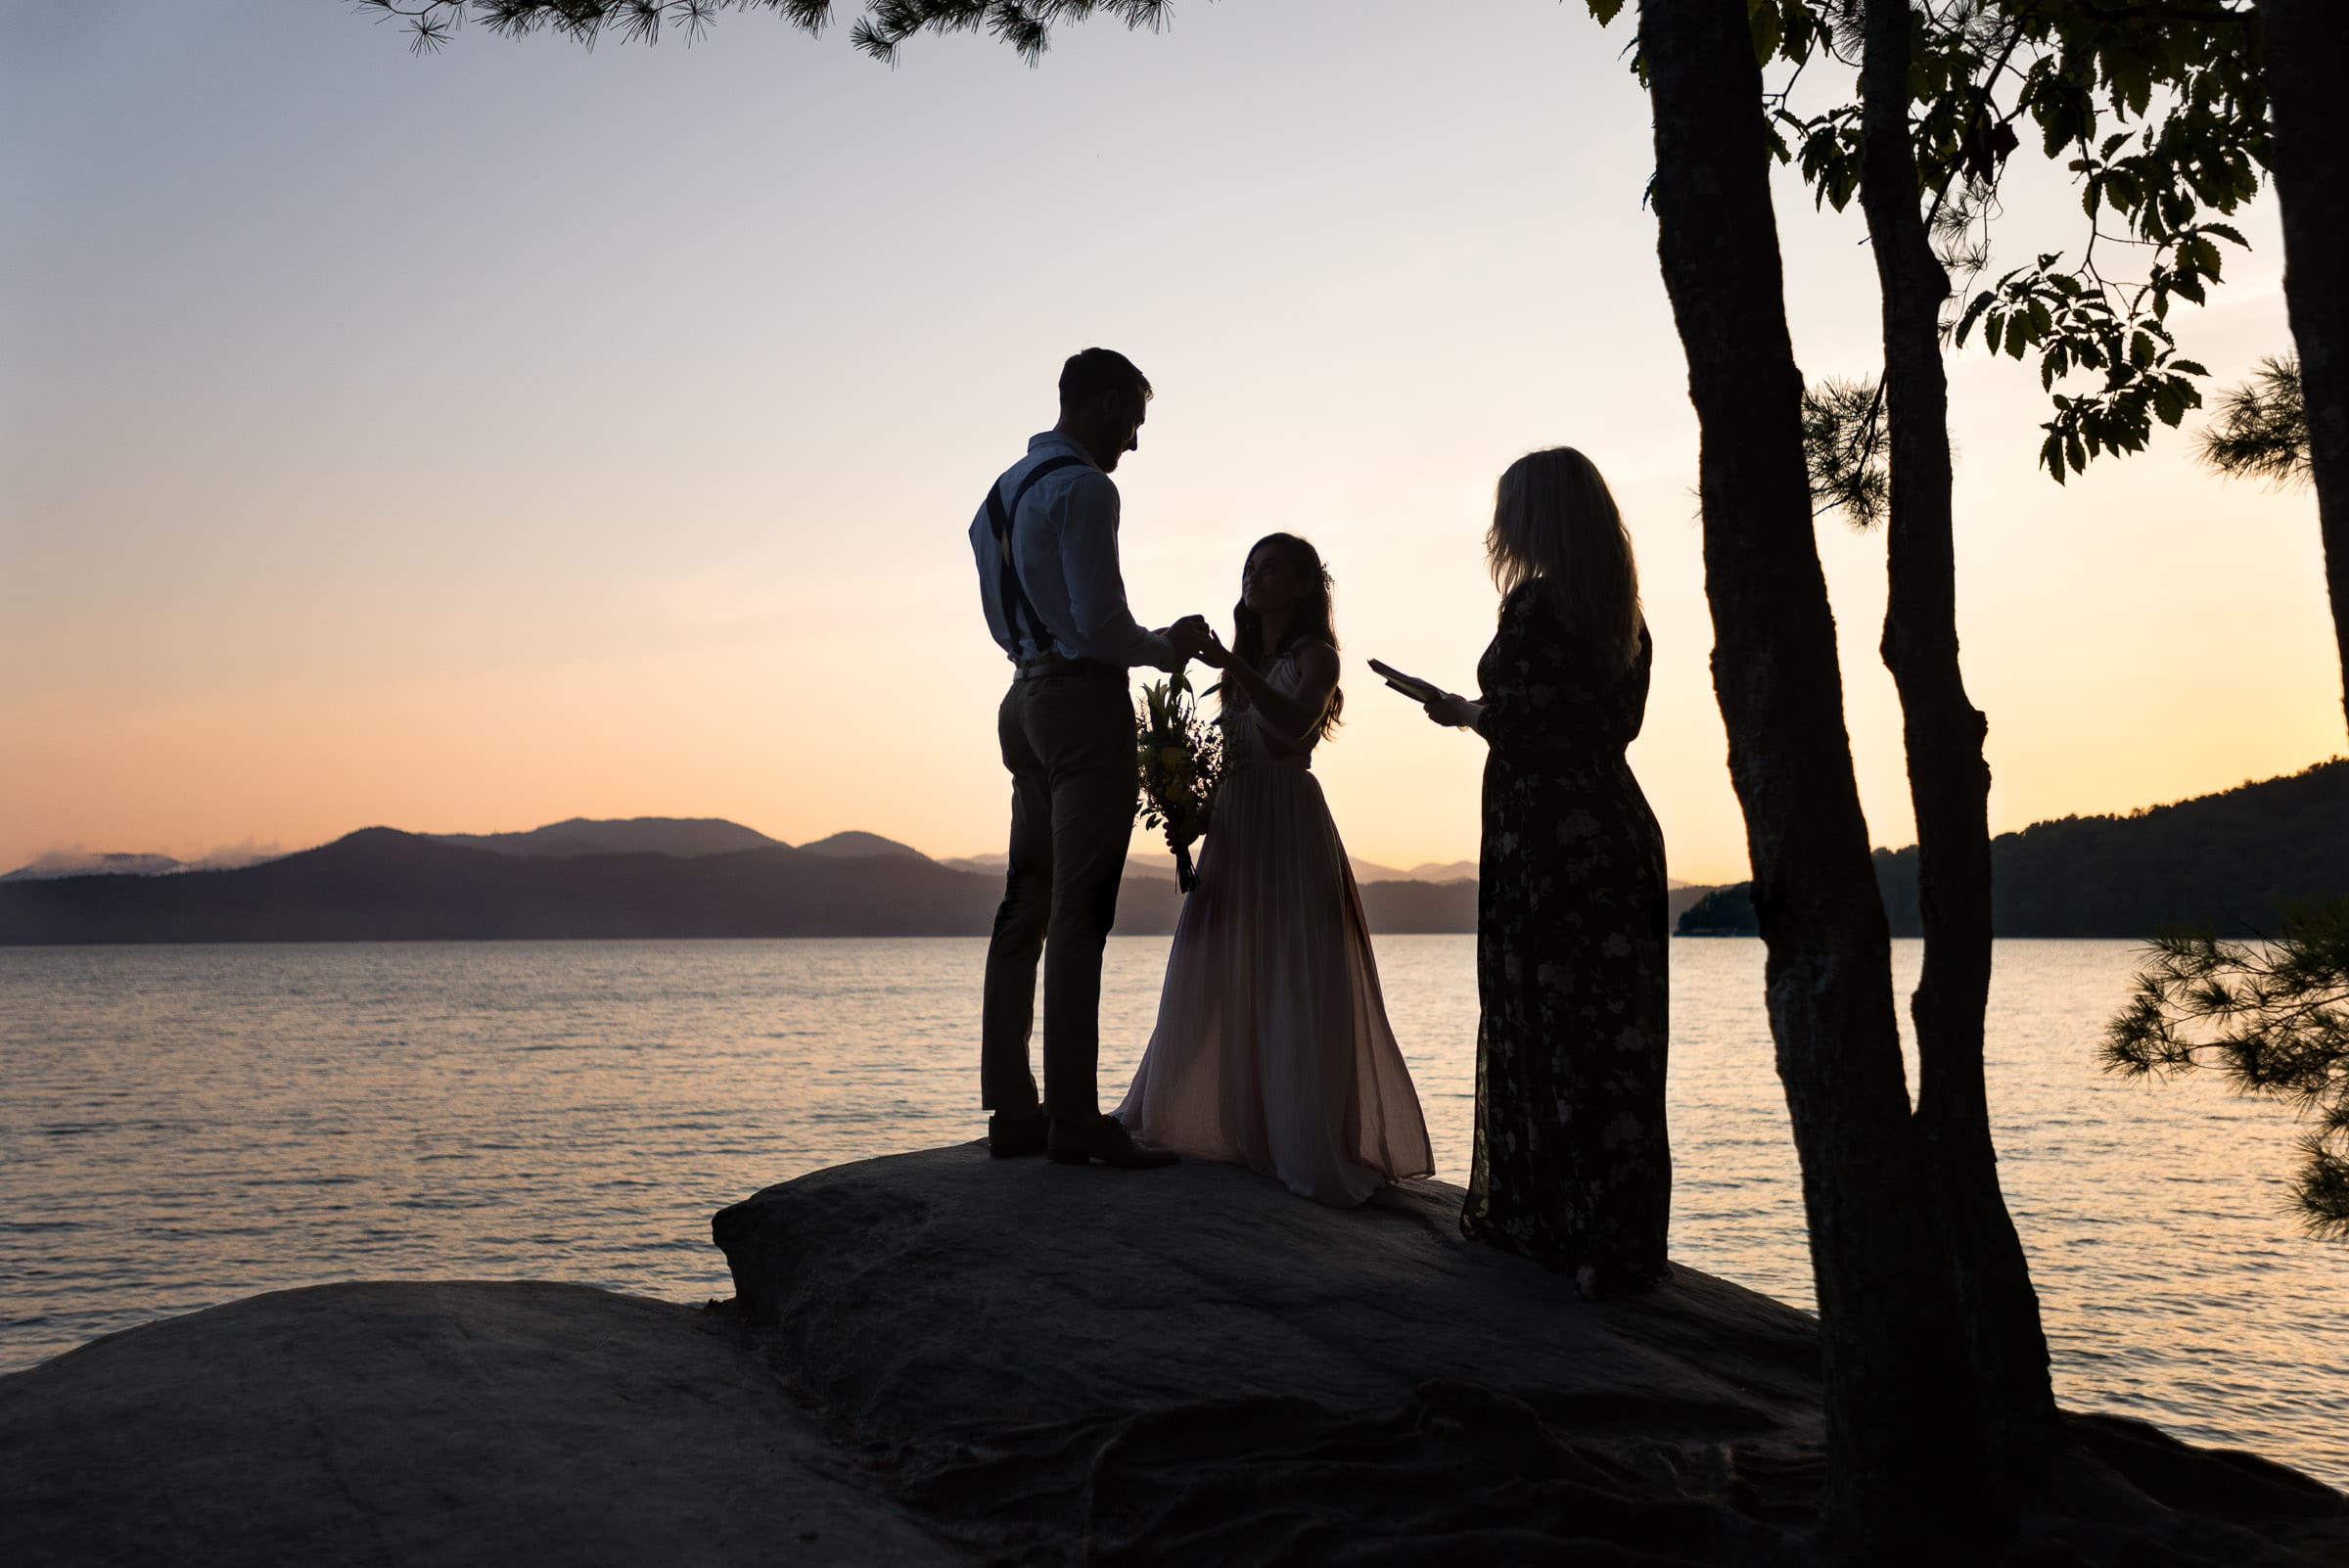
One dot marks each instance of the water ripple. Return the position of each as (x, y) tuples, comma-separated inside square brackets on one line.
[(183, 1126)]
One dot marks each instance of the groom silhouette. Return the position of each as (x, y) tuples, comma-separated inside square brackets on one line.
[(1045, 542)]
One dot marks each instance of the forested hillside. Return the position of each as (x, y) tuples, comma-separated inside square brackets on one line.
[(2233, 862)]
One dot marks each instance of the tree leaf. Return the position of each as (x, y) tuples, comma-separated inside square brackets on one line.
[(1965, 322), (2169, 402), (2054, 364)]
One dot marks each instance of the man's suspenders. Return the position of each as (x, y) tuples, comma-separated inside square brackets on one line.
[(1018, 608)]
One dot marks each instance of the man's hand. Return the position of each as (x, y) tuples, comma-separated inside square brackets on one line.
[(1190, 637)]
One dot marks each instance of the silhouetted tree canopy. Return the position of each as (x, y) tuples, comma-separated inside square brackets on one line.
[(2236, 863), (1722, 913)]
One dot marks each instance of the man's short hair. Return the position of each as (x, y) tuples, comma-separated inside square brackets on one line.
[(1095, 371)]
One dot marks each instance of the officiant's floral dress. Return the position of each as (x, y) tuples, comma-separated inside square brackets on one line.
[(1572, 1163)]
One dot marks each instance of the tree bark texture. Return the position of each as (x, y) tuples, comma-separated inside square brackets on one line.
[(1909, 1479), (2305, 52), (1949, 782)]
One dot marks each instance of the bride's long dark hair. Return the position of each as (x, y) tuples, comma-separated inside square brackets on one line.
[(1311, 617)]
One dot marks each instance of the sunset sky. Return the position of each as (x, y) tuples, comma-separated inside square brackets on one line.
[(464, 443)]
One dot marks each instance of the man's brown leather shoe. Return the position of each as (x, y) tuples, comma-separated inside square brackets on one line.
[(1015, 1134), (1104, 1138)]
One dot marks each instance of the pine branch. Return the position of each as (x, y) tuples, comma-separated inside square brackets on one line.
[(2285, 1005), (1843, 445), (1026, 25), (2261, 431)]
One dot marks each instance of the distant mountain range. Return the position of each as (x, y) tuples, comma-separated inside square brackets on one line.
[(82, 864), (680, 836), (2233, 862), (1162, 866), (66, 865), (688, 837), (644, 877)]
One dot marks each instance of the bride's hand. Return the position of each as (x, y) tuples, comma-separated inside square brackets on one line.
[(1213, 653)]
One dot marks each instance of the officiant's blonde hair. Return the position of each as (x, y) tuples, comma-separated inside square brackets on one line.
[(1555, 525)]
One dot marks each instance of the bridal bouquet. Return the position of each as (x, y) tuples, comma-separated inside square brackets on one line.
[(1180, 756)]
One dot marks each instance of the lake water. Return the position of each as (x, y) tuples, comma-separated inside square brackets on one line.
[(183, 1126)]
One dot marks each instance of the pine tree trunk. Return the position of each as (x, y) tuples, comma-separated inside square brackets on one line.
[(1949, 782), (1907, 1472), (2305, 52)]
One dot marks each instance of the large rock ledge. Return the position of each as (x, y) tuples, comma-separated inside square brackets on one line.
[(444, 1423), (944, 1298), (1193, 1366), (938, 1357)]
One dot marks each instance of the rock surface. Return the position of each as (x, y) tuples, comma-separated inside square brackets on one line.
[(430, 1423), (1191, 1365), (938, 1357), (1170, 1366), (942, 1294)]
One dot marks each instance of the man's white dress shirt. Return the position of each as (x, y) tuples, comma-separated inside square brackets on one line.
[(1064, 546)]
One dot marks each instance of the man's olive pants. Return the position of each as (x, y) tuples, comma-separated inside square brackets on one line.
[(1068, 742)]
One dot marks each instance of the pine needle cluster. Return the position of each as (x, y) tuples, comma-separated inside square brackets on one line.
[(2272, 1016), (2261, 429), (1843, 446), (1024, 25)]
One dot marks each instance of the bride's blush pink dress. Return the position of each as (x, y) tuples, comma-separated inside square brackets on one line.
[(1273, 1048)]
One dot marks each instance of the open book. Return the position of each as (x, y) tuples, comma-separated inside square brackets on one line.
[(1411, 686)]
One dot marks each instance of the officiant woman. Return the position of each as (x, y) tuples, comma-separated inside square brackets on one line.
[(1571, 1167)]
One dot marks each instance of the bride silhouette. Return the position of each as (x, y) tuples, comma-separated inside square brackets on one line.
[(1273, 1047)]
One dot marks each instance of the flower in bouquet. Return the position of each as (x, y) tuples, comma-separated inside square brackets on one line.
[(1180, 756)]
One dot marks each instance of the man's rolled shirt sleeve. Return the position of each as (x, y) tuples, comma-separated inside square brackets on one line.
[(1088, 563)]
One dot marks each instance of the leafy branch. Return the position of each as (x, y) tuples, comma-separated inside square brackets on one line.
[(2181, 83), (2073, 323)]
